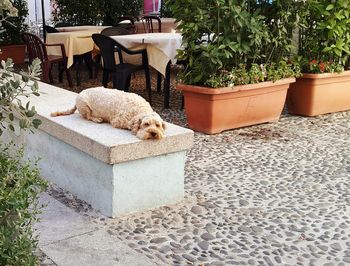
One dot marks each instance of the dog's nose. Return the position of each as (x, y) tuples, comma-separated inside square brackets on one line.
[(154, 134)]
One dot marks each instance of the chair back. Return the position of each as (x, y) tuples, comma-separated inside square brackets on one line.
[(107, 49), (63, 24), (149, 23), (128, 18), (36, 47), (50, 29), (118, 30)]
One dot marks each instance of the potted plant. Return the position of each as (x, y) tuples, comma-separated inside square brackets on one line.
[(11, 44), (324, 50), (237, 69)]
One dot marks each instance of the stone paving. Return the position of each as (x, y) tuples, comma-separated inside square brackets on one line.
[(273, 194)]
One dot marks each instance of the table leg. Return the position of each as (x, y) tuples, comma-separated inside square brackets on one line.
[(79, 62), (167, 86), (89, 62), (159, 82)]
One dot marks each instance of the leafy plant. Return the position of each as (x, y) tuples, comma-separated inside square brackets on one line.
[(20, 186), (78, 12), (112, 9), (15, 13), (238, 32), (13, 89), (93, 12), (325, 41), (257, 73)]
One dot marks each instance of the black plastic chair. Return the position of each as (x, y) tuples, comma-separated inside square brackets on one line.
[(130, 25), (50, 29), (117, 30), (148, 23), (63, 24), (121, 72)]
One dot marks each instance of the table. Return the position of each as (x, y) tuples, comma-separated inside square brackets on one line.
[(82, 28), (161, 51), (75, 43), (168, 26)]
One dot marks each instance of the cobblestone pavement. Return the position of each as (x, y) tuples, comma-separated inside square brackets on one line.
[(273, 194)]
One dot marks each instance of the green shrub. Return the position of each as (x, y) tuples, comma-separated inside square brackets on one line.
[(12, 87), (92, 12), (324, 44), (13, 26), (240, 33), (20, 186)]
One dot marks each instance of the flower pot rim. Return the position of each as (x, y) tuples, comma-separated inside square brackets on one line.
[(12, 45), (325, 75), (209, 90)]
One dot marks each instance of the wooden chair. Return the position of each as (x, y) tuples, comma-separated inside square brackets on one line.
[(121, 72), (149, 22), (37, 49)]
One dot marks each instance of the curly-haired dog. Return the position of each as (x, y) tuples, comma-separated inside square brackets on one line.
[(120, 109)]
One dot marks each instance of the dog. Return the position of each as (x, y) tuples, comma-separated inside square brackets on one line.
[(121, 109)]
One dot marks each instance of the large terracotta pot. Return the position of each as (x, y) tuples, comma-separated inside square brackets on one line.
[(212, 111), (315, 94), (16, 52)]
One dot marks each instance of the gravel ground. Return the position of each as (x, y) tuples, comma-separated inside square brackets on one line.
[(272, 194)]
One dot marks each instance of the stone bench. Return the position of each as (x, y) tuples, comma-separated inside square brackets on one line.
[(109, 168)]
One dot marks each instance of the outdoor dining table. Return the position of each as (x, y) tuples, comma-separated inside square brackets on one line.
[(75, 43), (161, 51), (81, 28), (168, 26)]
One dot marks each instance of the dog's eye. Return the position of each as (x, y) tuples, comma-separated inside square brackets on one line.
[(157, 125), (146, 124)]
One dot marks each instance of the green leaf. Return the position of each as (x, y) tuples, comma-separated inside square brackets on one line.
[(329, 7), (36, 123)]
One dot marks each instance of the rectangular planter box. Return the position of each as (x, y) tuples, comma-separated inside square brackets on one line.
[(316, 94), (16, 52), (212, 111)]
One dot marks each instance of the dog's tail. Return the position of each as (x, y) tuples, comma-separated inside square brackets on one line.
[(68, 112)]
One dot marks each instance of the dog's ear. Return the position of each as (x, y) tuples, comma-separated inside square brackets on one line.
[(135, 124), (164, 125)]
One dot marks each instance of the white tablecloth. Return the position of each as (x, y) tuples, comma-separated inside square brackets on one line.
[(75, 43), (161, 47), (82, 28)]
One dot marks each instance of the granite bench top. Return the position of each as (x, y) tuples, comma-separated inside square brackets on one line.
[(101, 141)]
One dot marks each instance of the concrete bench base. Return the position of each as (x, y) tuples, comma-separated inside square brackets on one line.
[(109, 168), (114, 189)]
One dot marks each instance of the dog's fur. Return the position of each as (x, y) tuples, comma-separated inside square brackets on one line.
[(120, 109)]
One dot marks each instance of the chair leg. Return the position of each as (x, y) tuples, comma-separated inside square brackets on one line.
[(50, 75), (61, 69), (46, 72), (120, 81), (159, 82), (105, 78), (148, 84), (127, 83), (69, 77), (88, 60), (97, 65)]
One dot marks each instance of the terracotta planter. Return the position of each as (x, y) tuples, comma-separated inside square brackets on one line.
[(212, 111), (315, 94), (16, 52)]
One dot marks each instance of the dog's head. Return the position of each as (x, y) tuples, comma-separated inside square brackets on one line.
[(148, 126)]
